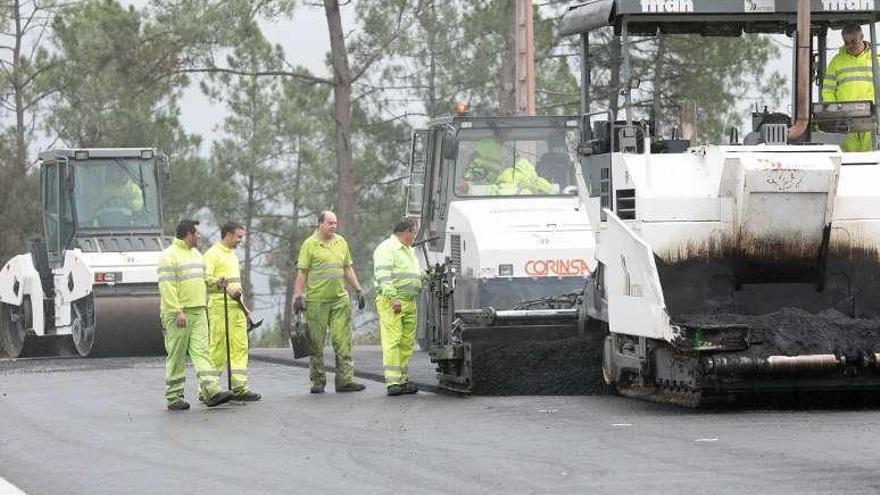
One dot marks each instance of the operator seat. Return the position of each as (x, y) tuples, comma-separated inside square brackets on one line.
[(555, 167)]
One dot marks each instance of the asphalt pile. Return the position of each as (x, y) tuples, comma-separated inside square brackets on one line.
[(793, 331), (571, 366)]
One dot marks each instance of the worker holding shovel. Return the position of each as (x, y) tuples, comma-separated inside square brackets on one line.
[(229, 320)]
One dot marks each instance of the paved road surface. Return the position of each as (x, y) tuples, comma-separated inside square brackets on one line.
[(367, 363), (72, 426)]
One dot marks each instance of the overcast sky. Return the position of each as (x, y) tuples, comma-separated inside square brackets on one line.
[(305, 41)]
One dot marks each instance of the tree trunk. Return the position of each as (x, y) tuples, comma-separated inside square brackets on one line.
[(345, 198), (614, 63), (17, 87), (508, 61), (659, 65), (248, 245), (292, 249), (429, 25)]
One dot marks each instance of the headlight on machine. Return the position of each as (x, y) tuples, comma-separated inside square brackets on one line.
[(505, 270)]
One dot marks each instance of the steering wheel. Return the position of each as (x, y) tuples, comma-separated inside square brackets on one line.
[(116, 216)]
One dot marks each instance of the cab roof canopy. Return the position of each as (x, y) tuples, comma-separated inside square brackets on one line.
[(713, 17)]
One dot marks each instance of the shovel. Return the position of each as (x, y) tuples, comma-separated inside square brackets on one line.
[(251, 324)]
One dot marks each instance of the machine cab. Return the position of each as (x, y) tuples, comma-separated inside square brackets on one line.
[(478, 158), (91, 196)]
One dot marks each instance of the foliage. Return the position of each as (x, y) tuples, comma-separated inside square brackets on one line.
[(119, 88)]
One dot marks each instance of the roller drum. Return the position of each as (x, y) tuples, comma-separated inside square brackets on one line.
[(127, 325)]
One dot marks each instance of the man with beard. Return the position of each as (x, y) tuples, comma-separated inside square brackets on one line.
[(222, 274)]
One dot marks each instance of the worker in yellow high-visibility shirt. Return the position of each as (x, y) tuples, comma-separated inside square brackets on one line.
[(399, 280), (222, 274), (521, 179), (181, 274), (322, 269), (849, 77)]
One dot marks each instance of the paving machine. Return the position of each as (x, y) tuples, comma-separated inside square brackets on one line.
[(91, 282), (745, 267), (721, 270), (500, 217)]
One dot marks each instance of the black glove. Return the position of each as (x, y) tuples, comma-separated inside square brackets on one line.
[(362, 302), (298, 305)]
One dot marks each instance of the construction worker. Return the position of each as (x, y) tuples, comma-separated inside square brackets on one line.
[(521, 179), (184, 321), (398, 277), (222, 274), (483, 166), (119, 199), (323, 267), (848, 77)]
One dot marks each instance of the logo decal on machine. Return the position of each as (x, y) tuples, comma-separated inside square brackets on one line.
[(751, 6), (556, 267), (835, 5), (667, 6)]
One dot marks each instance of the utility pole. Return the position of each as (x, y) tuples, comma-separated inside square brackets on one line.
[(525, 58)]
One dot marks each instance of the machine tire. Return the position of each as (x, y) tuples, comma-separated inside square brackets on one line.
[(82, 326), (609, 373), (16, 321)]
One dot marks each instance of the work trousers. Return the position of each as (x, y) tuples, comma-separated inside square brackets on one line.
[(857, 141), (398, 334), (192, 340), (335, 316), (238, 340)]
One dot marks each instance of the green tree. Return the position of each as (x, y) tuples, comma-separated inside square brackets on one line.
[(119, 88), (251, 162), (26, 83), (716, 73)]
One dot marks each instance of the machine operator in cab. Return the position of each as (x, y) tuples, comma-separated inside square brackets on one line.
[(848, 77)]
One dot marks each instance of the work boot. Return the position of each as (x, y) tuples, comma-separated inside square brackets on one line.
[(410, 388), (219, 398), (351, 387), (247, 396), (317, 389), (394, 390), (178, 405)]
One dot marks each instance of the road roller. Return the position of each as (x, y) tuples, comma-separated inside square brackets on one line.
[(89, 286)]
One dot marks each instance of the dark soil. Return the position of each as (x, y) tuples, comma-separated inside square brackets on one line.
[(571, 366), (792, 331)]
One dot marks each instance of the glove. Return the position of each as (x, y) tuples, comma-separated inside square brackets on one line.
[(298, 305), (362, 302)]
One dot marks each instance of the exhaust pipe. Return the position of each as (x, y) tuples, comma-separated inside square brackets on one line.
[(802, 83)]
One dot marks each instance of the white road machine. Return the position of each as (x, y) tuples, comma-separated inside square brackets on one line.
[(91, 281)]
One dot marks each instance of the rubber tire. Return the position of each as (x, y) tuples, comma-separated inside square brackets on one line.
[(83, 326), (608, 373), (13, 334)]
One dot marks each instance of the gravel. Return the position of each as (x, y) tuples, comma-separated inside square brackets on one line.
[(569, 366), (793, 331)]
